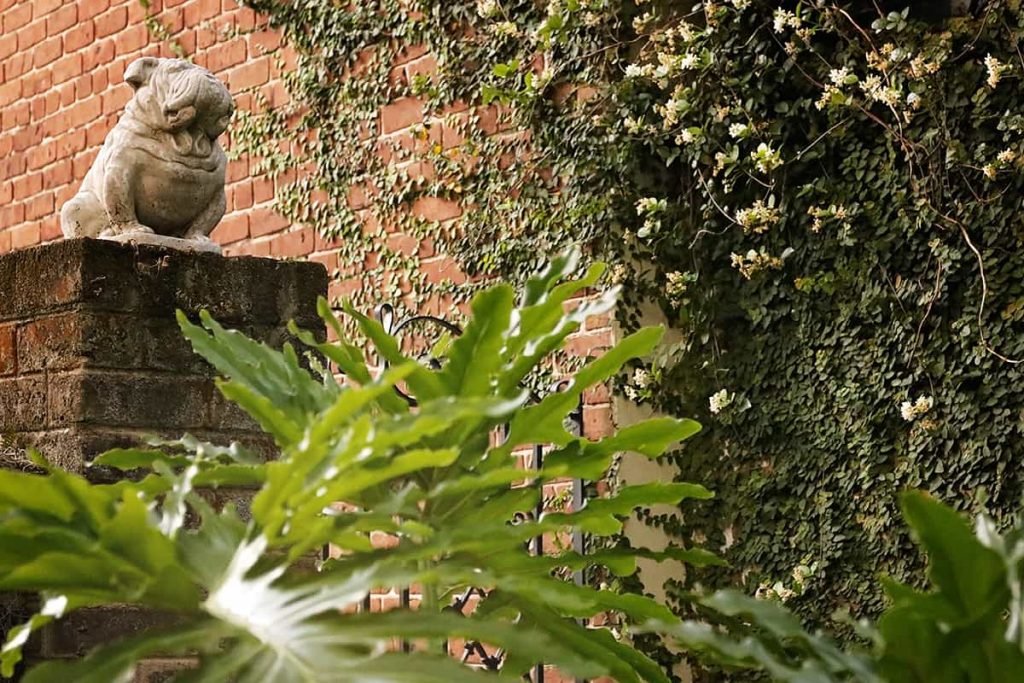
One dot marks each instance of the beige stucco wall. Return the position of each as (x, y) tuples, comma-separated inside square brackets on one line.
[(639, 469)]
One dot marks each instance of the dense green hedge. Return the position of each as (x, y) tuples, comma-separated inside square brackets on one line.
[(825, 201)]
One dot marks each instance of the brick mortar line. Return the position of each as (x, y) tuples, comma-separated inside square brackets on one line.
[(79, 370)]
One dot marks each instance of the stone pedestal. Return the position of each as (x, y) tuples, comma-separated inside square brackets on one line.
[(91, 356)]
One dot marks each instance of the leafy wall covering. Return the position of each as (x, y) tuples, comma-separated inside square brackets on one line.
[(824, 198)]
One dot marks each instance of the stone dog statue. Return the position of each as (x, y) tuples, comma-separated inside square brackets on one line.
[(159, 177)]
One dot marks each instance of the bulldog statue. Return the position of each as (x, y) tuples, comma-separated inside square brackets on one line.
[(159, 177)]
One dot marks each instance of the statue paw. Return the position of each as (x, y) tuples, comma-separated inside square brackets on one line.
[(126, 229), (197, 237)]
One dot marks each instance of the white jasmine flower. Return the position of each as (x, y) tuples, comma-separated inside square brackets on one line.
[(649, 205), (685, 137), (910, 411), (758, 218), (782, 592), (831, 94), (505, 28), (765, 158), (783, 18), (486, 8), (687, 61), (871, 85), (995, 69), (1007, 156), (672, 110), (754, 261), (989, 170), (838, 76), (719, 400), (640, 22), (739, 130), (676, 283)]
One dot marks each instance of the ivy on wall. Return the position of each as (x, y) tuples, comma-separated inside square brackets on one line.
[(824, 198), (524, 171)]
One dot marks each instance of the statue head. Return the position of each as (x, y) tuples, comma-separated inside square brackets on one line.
[(174, 95)]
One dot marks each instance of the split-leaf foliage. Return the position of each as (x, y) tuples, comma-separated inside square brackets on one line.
[(965, 628), (455, 499)]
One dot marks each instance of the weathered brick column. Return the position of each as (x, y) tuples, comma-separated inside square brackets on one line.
[(91, 358)]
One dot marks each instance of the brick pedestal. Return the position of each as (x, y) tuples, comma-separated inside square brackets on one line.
[(91, 356)]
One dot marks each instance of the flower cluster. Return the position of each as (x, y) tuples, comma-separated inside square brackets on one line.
[(650, 209), (911, 411), (1006, 159), (996, 69), (757, 218), (739, 130), (487, 8), (673, 109), (719, 401), (677, 284), (838, 213), (640, 385), (778, 591), (833, 93), (765, 158), (783, 18), (755, 261), (878, 90)]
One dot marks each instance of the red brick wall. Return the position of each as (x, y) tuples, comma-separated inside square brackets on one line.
[(62, 90)]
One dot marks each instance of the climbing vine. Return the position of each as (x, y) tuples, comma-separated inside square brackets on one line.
[(822, 197)]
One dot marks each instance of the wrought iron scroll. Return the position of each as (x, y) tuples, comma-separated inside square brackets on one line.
[(491, 660)]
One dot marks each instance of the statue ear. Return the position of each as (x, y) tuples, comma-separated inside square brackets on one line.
[(138, 72)]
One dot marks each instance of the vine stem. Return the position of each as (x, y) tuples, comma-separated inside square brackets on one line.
[(821, 137), (984, 294)]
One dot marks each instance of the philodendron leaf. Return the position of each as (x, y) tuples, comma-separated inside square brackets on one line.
[(590, 460), (601, 516), (272, 375), (116, 663), (475, 355), (967, 573), (420, 498), (778, 644), (623, 561), (544, 422), (53, 608)]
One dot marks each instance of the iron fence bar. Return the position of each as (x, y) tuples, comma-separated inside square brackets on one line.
[(538, 541), (579, 499)]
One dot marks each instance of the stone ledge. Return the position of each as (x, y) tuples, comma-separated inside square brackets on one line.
[(100, 275)]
